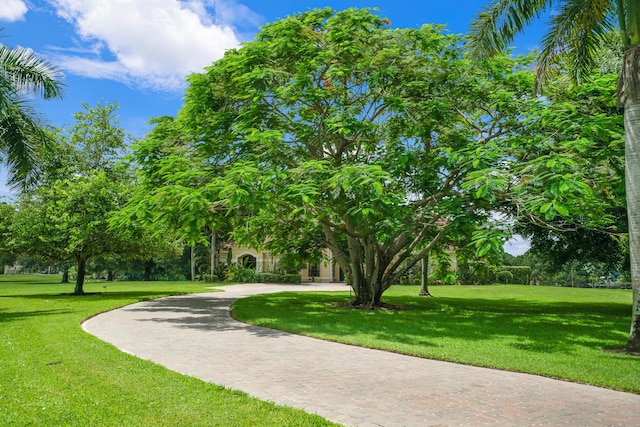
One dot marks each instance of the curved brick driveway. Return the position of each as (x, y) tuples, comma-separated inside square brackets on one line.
[(195, 335)]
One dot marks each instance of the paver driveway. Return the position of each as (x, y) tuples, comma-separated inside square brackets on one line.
[(195, 335)]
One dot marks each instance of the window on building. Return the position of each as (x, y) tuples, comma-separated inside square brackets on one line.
[(314, 270)]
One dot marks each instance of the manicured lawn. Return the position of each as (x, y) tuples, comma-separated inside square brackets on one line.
[(555, 332), (52, 373)]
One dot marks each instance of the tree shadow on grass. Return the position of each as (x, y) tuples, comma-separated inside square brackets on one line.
[(134, 296), (12, 316), (31, 280), (199, 312), (532, 326), (542, 327)]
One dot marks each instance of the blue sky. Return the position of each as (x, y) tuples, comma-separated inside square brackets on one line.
[(136, 53)]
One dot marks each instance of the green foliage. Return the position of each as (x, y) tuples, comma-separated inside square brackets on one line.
[(577, 34), (239, 274), (504, 276), (95, 139), (476, 273), (68, 216), (7, 212), (173, 190), (161, 268), (549, 331), (279, 278), (578, 30), (480, 273), (412, 276), (566, 180), (210, 278), (292, 262), (332, 130)]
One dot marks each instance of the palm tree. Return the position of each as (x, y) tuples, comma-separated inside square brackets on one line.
[(23, 74), (577, 29)]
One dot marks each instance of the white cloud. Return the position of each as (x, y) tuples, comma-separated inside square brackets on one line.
[(149, 43), (235, 14), (516, 245), (12, 10)]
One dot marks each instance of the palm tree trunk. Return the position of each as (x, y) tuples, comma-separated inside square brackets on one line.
[(632, 176)]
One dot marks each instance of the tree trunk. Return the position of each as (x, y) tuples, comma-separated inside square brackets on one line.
[(213, 254), (80, 276), (632, 176), (148, 265), (193, 263), (65, 275), (111, 276), (630, 93), (424, 282), (364, 294), (368, 289)]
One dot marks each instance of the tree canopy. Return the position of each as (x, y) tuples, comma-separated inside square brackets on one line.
[(577, 32), (335, 130)]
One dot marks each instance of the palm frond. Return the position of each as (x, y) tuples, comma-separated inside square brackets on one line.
[(27, 72), (496, 26), (576, 32), (21, 139)]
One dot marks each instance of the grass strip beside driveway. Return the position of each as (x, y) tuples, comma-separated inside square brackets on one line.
[(54, 373), (566, 333)]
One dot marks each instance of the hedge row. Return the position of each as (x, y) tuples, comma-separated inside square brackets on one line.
[(279, 278)]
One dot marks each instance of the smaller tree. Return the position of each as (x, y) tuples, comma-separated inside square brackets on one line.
[(67, 217), (67, 220)]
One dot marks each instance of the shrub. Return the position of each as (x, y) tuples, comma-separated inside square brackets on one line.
[(244, 275), (209, 278), (279, 278), (504, 276)]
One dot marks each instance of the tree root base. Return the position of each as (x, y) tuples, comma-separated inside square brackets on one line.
[(621, 351), (366, 306)]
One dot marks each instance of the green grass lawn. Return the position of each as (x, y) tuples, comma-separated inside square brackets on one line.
[(52, 373), (555, 332)]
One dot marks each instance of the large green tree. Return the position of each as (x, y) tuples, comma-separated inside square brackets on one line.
[(577, 29), (335, 127), (23, 74)]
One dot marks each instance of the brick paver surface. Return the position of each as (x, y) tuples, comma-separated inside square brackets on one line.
[(195, 335)]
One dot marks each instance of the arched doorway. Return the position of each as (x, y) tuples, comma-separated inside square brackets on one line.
[(247, 261)]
